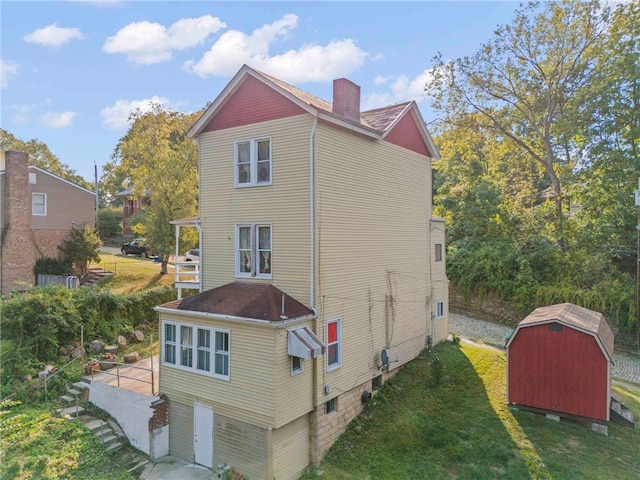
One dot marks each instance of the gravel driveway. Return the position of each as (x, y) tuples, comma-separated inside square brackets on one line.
[(626, 366)]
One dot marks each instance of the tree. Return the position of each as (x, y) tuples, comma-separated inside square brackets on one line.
[(41, 156), (157, 155), (523, 83), (610, 128), (82, 247)]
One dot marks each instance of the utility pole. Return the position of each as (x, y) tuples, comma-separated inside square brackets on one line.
[(637, 193)]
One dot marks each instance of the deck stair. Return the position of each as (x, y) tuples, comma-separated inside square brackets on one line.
[(621, 414)]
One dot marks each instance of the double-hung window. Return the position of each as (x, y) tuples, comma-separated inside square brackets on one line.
[(39, 204), (253, 250), (334, 344), (253, 162), (440, 309), (198, 349)]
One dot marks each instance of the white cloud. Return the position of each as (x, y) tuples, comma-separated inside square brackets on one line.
[(53, 36), (7, 71), (400, 89), (145, 43), (308, 63), (57, 120), (116, 117)]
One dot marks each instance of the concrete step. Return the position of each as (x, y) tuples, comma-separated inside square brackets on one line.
[(96, 424), (73, 392), (113, 446), (68, 399), (81, 385), (70, 412), (108, 439)]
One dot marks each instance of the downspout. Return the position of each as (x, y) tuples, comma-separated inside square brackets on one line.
[(199, 227), (312, 244), (312, 214), (312, 275)]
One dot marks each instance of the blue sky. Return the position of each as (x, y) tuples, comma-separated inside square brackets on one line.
[(73, 70)]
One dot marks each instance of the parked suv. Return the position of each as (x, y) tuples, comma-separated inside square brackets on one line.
[(192, 255), (137, 246)]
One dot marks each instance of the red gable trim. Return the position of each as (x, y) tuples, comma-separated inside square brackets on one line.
[(252, 102), (406, 134)]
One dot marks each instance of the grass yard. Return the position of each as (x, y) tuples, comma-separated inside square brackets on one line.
[(463, 429), (37, 445), (133, 274)]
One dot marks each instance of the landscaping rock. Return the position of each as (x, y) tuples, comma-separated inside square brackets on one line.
[(92, 366), (112, 349), (96, 346), (132, 357), (77, 352), (122, 342), (48, 370), (64, 352), (137, 336), (108, 361)]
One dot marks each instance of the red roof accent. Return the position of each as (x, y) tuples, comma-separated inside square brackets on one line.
[(405, 134), (256, 301), (252, 102)]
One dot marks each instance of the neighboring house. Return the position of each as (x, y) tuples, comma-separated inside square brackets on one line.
[(37, 212), (322, 272), (131, 204)]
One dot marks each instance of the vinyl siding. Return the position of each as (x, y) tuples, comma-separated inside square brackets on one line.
[(373, 210), (250, 392), (67, 205), (181, 429), (294, 395), (284, 204), (291, 449), (240, 445)]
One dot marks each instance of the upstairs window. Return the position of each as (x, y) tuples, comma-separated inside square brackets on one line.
[(253, 250), (438, 252), (39, 204), (253, 162)]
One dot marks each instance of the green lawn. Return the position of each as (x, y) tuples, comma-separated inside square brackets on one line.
[(463, 429), (133, 274), (34, 444)]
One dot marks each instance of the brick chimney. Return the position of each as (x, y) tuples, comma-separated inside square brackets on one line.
[(17, 249), (346, 99)]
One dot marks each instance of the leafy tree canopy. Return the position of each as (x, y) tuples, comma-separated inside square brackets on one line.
[(157, 155)]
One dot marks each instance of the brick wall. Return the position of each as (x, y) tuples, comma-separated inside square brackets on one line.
[(18, 251), (160, 417), (46, 241), (325, 428)]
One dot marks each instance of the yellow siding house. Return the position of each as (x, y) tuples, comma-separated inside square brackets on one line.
[(322, 273)]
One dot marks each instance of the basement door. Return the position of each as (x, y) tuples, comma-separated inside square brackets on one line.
[(203, 434)]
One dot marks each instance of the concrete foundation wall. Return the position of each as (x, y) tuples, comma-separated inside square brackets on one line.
[(133, 412)]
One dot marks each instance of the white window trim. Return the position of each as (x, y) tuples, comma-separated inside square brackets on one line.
[(300, 370), (441, 256), (440, 309), (338, 364), (45, 204), (255, 267), (253, 163), (194, 346)]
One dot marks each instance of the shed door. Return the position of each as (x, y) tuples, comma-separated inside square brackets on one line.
[(203, 434)]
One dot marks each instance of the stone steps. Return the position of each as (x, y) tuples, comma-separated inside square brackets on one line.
[(109, 435)]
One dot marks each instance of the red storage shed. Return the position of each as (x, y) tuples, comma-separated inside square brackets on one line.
[(559, 359)]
